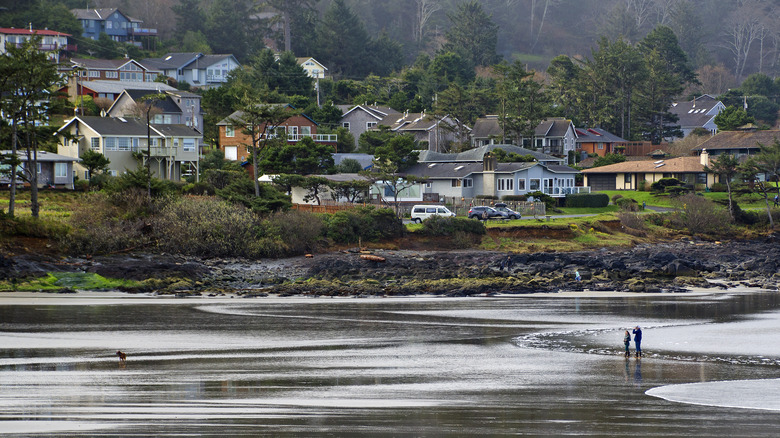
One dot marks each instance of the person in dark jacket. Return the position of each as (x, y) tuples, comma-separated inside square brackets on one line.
[(627, 342), (638, 341)]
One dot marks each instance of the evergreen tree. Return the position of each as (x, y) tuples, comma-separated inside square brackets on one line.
[(473, 35), (522, 102), (732, 118), (342, 41)]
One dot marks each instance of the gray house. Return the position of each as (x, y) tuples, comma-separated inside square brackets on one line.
[(476, 172), (53, 169), (698, 113), (556, 136), (174, 148), (178, 107), (196, 69), (360, 118)]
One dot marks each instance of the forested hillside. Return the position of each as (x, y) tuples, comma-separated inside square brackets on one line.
[(616, 64)]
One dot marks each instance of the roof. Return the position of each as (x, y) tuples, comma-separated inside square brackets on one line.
[(460, 170), (486, 127), (673, 165), (23, 31), (304, 59), (477, 154), (344, 177), (94, 14), (409, 121), (365, 160), (116, 87), (126, 126), (238, 114), (695, 113), (378, 112), (726, 140), (588, 162), (42, 156), (183, 59), (552, 128), (166, 106), (597, 135)]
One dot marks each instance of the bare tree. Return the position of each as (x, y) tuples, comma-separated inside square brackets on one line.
[(641, 10), (742, 29), (425, 9)]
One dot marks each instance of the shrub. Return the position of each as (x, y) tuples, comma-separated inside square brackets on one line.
[(198, 188), (27, 226), (363, 223), (592, 200), (699, 215), (631, 220), (288, 233), (548, 200), (513, 198), (675, 191), (220, 179), (81, 185), (486, 197), (616, 197), (100, 225), (661, 185), (642, 186), (206, 227), (450, 226), (627, 204), (242, 191), (719, 187)]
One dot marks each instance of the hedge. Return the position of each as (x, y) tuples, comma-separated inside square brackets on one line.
[(592, 200)]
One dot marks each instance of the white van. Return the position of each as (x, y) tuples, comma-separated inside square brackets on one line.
[(422, 212)]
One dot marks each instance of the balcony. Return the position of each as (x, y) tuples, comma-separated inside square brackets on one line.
[(563, 191), (140, 31), (157, 151), (318, 138)]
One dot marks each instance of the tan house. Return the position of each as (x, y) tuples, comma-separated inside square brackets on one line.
[(313, 68), (629, 174), (174, 148)]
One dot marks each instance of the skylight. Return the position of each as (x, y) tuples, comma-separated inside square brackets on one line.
[(459, 167)]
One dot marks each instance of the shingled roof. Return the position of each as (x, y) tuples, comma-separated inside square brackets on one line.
[(729, 140), (673, 165)]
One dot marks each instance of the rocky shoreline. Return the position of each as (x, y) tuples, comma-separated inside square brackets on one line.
[(660, 267)]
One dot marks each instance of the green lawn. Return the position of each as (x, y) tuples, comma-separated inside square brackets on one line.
[(745, 201)]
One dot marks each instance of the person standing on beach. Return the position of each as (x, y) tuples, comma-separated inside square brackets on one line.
[(638, 341), (627, 342)]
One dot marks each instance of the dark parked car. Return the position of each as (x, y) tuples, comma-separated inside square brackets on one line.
[(485, 213), (508, 212)]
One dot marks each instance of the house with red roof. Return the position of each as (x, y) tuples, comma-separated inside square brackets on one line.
[(52, 42)]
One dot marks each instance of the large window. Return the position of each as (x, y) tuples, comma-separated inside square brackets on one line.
[(457, 182), (370, 125), (468, 182), (306, 130), (60, 170), (112, 75), (230, 131), (505, 185), (521, 184), (94, 143), (533, 184), (188, 144), (110, 143)]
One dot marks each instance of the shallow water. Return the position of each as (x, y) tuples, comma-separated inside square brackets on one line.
[(541, 365)]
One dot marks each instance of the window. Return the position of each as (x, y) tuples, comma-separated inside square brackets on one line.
[(306, 130), (627, 178), (123, 143), (456, 182), (38, 167), (230, 131), (601, 145), (110, 143), (533, 184), (521, 184), (293, 131), (109, 24), (93, 74), (505, 184), (112, 172), (370, 125), (188, 144), (346, 125), (701, 178), (112, 75), (94, 143), (60, 170), (468, 182), (231, 153)]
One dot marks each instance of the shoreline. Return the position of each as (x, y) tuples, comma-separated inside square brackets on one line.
[(666, 267)]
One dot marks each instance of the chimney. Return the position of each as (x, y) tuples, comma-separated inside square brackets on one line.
[(489, 174), (704, 158)]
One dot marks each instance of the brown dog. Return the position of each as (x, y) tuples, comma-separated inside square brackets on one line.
[(122, 356)]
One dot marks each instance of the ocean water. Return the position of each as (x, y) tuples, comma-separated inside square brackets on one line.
[(416, 366)]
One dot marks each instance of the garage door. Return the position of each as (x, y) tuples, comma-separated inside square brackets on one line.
[(601, 182)]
